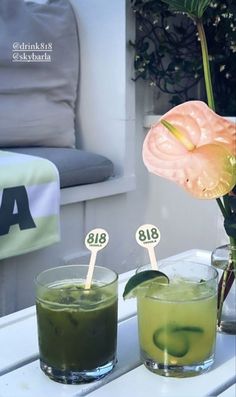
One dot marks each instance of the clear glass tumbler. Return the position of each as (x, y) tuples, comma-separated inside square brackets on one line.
[(77, 328), (177, 321)]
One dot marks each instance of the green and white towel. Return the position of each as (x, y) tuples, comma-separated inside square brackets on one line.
[(29, 203)]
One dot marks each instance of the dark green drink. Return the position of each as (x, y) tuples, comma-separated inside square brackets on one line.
[(77, 330)]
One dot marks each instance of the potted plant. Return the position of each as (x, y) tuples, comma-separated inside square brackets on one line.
[(200, 158)]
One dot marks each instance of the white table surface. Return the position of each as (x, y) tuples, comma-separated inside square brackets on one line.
[(20, 374)]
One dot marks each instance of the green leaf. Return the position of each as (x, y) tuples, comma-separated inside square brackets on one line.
[(194, 8), (232, 203), (230, 225)]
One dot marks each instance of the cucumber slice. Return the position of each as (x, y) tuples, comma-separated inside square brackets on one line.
[(188, 328), (175, 344), (174, 339)]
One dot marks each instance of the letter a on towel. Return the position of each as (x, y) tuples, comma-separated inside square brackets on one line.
[(29, 203)]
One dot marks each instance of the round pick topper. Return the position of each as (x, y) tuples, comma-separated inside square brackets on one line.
[(148, 235), (96, 239)]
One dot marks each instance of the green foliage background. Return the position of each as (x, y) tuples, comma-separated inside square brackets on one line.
[(168, 53)]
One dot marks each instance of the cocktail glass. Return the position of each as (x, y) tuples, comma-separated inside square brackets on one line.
[(77, 328), (177, 321)]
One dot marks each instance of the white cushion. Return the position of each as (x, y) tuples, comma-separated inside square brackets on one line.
[(37, 99)]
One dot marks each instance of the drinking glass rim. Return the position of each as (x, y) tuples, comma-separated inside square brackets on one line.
[(187, 283), (215, 273), (38, 283)]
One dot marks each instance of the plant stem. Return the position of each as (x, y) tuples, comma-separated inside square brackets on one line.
[(233, 245), (222, 208), (227, 278), (222, 289), (231, 239), (206, 64)]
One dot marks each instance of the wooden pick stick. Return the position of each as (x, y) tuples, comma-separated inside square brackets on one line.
[(89, 276), (153, 259)]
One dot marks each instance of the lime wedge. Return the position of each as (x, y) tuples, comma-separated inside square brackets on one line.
[(143, 279)]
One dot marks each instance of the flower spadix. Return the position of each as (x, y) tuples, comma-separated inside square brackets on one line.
[(194, 147)]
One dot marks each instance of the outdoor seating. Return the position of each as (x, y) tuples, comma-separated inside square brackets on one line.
[(53, 110)]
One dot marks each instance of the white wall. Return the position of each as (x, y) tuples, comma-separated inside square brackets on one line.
[(185, 222)]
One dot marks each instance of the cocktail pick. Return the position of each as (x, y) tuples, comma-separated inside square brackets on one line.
[(95, 240), (148, 236)]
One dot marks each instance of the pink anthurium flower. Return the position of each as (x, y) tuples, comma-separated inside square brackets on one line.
[(194, 147)]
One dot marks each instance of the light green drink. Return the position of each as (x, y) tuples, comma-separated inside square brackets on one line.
[(177, 321)]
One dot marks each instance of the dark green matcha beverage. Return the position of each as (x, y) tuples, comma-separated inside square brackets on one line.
[(77, 327)]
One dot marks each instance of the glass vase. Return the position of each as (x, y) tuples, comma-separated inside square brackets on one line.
[(223, 258)]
